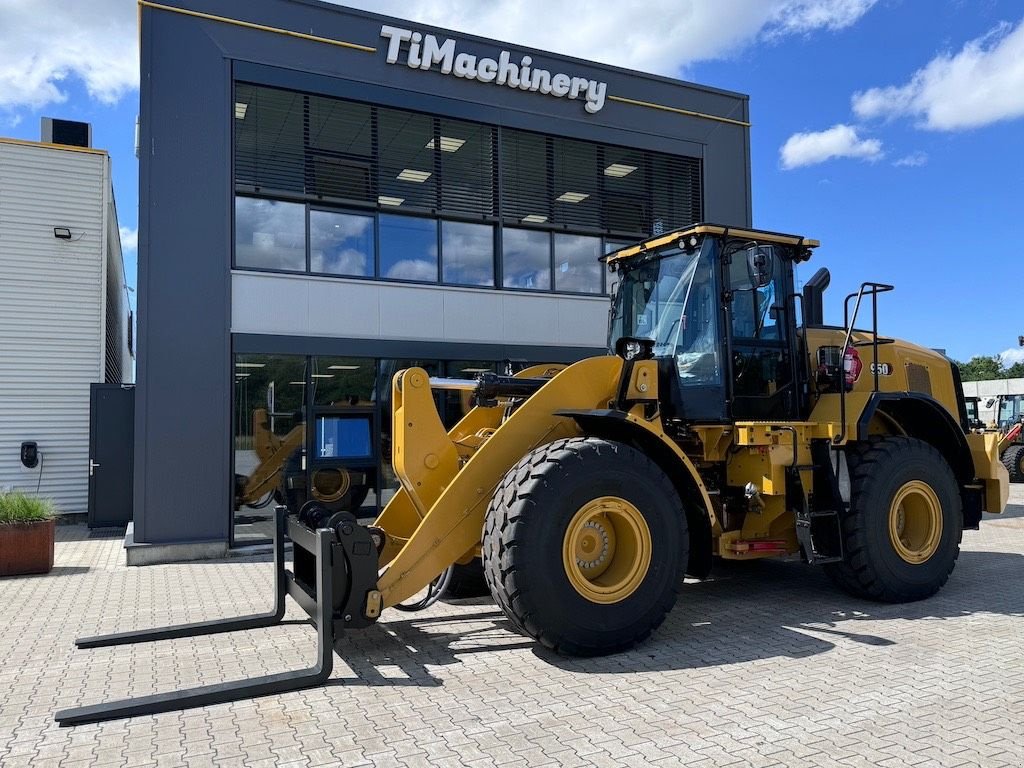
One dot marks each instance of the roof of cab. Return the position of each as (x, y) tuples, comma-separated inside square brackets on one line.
[(760, 235)]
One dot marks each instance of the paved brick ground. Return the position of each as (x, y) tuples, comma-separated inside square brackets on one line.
[(766, 664)]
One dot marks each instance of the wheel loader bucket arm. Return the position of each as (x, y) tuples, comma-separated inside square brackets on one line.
[(454, 499)]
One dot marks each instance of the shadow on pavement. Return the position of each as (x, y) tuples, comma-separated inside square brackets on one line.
[(745, 612)]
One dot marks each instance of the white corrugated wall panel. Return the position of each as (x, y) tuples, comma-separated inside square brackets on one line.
[(51, 315)]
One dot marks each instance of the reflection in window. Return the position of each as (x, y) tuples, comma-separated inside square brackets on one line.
[(341, 243), (270, 234), (577, 268), (526, 259), (468, 253), (408, 248), (269, 403), (343, 382)]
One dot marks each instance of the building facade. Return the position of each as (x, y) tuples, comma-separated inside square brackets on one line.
[(65, 319), (328, 195)]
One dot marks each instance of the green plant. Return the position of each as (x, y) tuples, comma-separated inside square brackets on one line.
[(16, 508)]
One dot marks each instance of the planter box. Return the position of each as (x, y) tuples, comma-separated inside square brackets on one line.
[(26, 548)]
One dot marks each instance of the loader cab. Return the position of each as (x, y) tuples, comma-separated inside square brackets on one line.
[(718, 308)]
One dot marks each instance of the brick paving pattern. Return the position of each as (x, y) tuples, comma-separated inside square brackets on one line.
[(765, 664)]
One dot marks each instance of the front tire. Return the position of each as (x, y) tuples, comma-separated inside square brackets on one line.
[(901, 535), (584, 546)]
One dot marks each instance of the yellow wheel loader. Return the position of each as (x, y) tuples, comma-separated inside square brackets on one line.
[(727, 422)]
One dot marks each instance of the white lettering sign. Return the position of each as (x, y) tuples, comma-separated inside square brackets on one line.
[(419, 51)]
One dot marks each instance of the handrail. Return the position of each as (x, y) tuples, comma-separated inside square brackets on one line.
[(872, 289)]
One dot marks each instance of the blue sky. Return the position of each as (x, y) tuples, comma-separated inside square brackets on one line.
[(902, 123)]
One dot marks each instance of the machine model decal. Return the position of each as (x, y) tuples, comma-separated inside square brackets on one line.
[(423, 51), (882, 369)]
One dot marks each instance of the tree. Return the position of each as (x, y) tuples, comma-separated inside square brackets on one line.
[(982, 368), (1015, 371)]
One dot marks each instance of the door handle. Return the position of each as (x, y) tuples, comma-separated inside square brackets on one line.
[(92, 466)]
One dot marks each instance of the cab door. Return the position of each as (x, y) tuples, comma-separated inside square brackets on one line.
[(763, 382)]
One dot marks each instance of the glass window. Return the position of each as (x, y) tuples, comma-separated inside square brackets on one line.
[(577, 196), (270, 400), (526, 192), (343, 381), (340, 126), (406, 166), (752, 316), (577, 268), (526, 259), (408, 248), (341, 243), (270, 234), (467, 253), (626, 206), (467, 167), (269, 141)]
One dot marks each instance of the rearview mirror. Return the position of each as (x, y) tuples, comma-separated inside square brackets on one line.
[(760, 264)]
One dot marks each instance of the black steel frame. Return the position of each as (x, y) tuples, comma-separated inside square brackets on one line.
[(319, 606)]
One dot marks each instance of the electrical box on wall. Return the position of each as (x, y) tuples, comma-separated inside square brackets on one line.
[(30, 454)]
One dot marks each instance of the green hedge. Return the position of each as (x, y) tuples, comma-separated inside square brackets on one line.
[(18, 508)]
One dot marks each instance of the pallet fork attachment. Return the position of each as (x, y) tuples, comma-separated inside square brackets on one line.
[(334, 565)]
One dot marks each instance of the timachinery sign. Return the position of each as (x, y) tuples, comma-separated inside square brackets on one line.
[(424, 51)]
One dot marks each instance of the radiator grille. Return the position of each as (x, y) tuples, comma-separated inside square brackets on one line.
[(918, 379)]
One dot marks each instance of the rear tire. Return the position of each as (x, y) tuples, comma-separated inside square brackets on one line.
[(1013, 460), (901, 535), (584, 546), (467, 581)]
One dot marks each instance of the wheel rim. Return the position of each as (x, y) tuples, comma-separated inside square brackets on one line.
[(606, 551), (1020, 463), (915, 522)]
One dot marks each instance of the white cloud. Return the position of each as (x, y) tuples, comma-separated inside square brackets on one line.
[(980, 85), (1010, 356), (624, 33), (810, 15), (45, 42), (818, 146), (129, 239), (913, 160)]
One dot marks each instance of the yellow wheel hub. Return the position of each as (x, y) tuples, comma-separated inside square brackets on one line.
[(607, 550), (915, 522)]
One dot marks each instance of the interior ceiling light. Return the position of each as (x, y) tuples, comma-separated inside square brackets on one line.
[(343, 368), (242, 375), (619, 170), (323, 375), (572, 197), (475, 370), (240, 108), (448, 144), (300, 383), (385, 200), (250, 365), (408, 174), (534, 218)]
